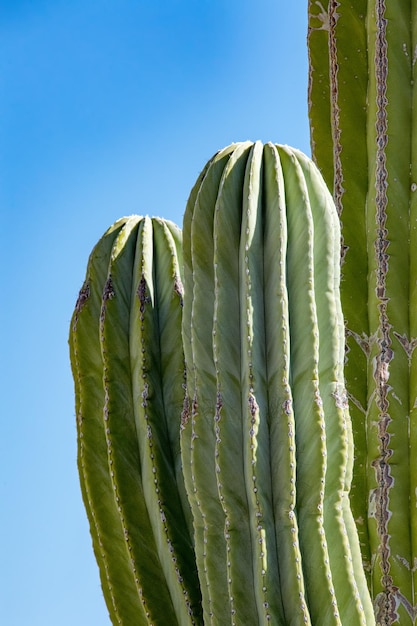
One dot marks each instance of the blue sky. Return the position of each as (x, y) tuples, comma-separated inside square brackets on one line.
[(107, 108)]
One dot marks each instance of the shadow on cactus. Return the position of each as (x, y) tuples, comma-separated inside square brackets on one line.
[(214, 439)]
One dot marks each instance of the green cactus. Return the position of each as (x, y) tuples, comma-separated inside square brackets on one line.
[(230, 506), (128, 368), (225, 478), (266, 436), (362, 107)]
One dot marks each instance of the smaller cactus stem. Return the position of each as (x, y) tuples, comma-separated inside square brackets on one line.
[(129, 377)]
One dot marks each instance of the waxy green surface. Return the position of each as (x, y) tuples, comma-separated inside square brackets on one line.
[(362, 110), (266, 436), (128, 366)]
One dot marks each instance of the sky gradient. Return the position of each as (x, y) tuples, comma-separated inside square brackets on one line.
[(107, 109)]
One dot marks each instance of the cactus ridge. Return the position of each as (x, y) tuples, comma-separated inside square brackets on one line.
[(267, 442), (369, 90), (118, 588), (198, 436), (129, 370)]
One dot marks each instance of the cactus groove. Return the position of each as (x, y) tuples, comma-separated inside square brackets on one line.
[(266, 436), (128, 368), (367, 91)]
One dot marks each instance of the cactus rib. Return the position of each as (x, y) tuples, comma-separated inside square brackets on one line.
[(198, 436), (109, 545)]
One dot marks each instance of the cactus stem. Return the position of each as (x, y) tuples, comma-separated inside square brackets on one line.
[(128, 367), (264, 346)]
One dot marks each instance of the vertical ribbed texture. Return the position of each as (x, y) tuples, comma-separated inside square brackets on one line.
[(128, 367), (362, 95), (266, 434)]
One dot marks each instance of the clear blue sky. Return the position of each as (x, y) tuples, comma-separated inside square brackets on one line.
[(107, 108)]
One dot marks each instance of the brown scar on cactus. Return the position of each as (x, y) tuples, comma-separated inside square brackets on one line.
[(409, 345), (186, 413), (179, 289), (83, 296), (142, 293)]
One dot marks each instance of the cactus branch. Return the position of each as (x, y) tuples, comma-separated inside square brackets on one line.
[(369, 90), (261, 254), (129, 379)]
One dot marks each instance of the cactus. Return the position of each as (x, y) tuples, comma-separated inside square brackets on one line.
[(362, 104), (214, 441), (266, 437), (128, 368), (228, 475)]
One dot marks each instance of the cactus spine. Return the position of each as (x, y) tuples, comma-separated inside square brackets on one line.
[(362, 109), (128, 368), (266, 436)]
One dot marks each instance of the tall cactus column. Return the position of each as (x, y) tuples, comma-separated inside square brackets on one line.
[(128, 367), (362, 108), (266, 436)]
